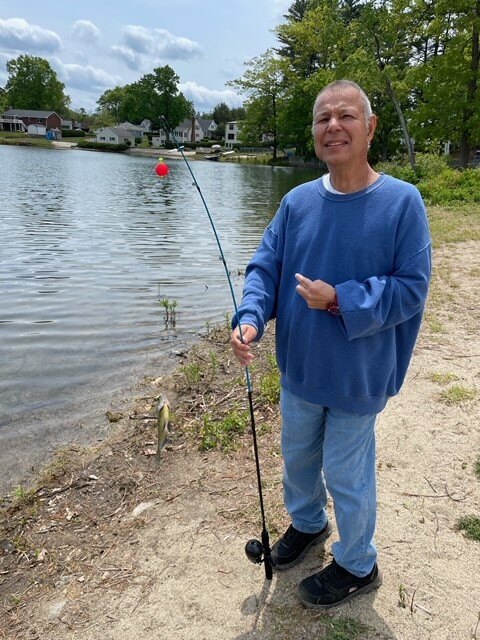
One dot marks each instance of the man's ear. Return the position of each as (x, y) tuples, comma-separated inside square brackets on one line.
[(372, 125)]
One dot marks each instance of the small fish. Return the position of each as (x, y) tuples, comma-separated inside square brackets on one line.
[(163, 417)]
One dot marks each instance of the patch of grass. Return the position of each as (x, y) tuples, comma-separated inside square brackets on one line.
[(23, 497), (433, 323), (345, 629), (443, 378), (270, 382), (477, 468), (223, 434), (193, 373), (454, 224), (470, 525), (457, 394), (26, 142)]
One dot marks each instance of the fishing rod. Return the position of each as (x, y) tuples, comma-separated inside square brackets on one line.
[(256, 551)]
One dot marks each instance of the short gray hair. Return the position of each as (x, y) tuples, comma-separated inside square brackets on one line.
[(346, 84)]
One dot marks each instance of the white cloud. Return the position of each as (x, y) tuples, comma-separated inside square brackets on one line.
[(86, 77), (132, 59), (86, 31), (17, 34), (205, 99), (159, 43)]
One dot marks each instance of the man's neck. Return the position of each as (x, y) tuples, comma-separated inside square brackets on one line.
[(347, 181)]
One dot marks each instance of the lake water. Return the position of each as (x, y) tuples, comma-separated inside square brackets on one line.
[(90, 244)]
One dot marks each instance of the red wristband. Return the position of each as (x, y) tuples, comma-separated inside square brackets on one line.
[(332, 307)]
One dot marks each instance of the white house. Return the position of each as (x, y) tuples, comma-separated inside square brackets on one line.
[(135, 129), (115, 135), (146, 125), (208, 126), (202, 128), (232, 131)]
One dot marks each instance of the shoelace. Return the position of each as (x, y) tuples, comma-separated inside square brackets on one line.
[(332, 571)]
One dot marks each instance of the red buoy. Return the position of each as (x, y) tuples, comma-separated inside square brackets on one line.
[(162, 169)]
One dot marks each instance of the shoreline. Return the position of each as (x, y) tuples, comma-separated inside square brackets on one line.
[(112, 546)]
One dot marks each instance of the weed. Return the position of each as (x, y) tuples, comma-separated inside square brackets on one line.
[(477, 468), (434, 323), (223, 434), (170, 307), (402, 596), (470, 525), (443, 378), (23, 497), (193, 374), (228, 322), (213, 364), (344, 629), (270, 383), (457, 394)]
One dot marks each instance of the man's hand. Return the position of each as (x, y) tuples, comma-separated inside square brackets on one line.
[(241, 349), (317, 293)]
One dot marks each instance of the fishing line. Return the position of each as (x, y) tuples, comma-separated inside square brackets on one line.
[(255, 550)]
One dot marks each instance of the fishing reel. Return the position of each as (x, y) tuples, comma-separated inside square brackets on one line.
[(257, 553)]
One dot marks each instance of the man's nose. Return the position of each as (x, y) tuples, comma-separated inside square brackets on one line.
[(333, 124)]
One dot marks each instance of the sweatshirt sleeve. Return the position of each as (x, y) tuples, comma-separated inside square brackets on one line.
[(383, 301), (262, 278)]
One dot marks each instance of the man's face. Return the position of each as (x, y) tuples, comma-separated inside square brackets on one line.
[(341, 132)]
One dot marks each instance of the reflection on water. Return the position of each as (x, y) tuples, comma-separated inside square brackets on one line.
[(90, 244)]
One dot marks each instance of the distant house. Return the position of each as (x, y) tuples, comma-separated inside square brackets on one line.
[(208, 127), (115, 135), (189, 130), (67, 125), (12, 124), (49, 119), (135, 129), (146, 125), (232, 132)]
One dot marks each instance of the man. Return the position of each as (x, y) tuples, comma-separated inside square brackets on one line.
[(344, 267)]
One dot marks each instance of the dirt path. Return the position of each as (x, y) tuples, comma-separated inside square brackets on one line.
[(170, 561)]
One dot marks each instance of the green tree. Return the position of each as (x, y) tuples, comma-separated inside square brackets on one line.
[(169, 102), (154, 95), (262, 83), (33, 84), (448, 97), (3, 100), (111, 104), (384, 29)]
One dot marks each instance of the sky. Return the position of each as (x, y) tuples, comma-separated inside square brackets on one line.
[(94, 46)]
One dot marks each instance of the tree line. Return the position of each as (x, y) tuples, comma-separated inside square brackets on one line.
[(418, 60), (33, 84)]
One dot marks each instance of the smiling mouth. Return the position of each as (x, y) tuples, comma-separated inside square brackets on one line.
[(335, 144)]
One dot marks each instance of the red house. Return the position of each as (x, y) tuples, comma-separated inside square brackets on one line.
[(48, 119)]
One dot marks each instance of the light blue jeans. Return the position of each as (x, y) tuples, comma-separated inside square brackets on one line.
[(329, 449)]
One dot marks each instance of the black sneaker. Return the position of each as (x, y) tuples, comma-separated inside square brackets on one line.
[(335, 585), (294, 544)]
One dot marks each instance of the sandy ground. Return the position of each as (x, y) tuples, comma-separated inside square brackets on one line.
[(179, 571)]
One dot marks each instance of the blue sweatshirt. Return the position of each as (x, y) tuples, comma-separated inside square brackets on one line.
[(374, 247)]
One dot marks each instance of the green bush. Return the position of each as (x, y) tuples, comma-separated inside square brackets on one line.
[(102, 146), (452, 186), (436, 181), (70, 133)]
